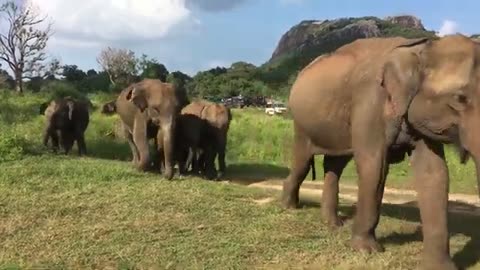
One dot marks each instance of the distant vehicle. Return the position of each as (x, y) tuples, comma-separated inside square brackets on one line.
[(234, 102), (275, 108)]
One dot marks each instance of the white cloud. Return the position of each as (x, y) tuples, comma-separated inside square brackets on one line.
[(448, 27), (88, 22)]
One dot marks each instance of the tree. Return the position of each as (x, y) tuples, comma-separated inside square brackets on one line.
[(152, 69), (179, 79), (119, 64), (22, 44), (91, 72), (6, 81), (73, 74)]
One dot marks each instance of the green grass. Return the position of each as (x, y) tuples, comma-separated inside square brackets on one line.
[(78, 213), (60, 212)]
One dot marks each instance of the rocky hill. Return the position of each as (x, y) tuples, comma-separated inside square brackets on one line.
[(324, 35), (311, 38)]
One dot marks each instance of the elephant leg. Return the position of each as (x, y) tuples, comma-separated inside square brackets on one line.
[(157, 159), (66, 138), (221, 155), (208, 164), (55, 135), (431, 178), (46, 135), (192, 160), (133, 148), (82, 147), (333, 167), (298, 170), (371, 169), (141, 142), (168, 126)]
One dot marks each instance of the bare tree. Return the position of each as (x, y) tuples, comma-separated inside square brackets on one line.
[(120, 64), (22, 43)]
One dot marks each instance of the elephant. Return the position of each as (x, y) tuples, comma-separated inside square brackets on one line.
[(216, 120), (376, 100), (109, 107), (190, 133), (66, 119), (146, 108)]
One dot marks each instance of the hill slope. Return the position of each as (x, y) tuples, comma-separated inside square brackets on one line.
[(311, 38)]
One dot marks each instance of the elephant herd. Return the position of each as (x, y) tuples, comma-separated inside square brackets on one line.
[(184, 133), (374, 100)]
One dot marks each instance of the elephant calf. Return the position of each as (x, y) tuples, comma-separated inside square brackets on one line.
[(66, 120), (205, 125)]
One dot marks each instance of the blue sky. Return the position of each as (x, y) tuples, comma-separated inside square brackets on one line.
[(193, 35)]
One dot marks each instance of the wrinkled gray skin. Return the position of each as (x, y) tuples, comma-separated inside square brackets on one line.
[(147, 102), (66, 122), (376, 100)]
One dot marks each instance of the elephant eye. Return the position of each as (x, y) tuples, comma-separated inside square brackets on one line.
[(461, 98)]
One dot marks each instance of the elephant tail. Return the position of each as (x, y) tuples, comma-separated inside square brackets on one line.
[(312, 164)]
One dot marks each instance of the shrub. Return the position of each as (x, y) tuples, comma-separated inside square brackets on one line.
[(12, 146)]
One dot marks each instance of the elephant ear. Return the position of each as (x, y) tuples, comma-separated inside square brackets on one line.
[(400, 76), (137, 97)]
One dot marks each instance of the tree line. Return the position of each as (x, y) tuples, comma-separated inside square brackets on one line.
[(23, 53)]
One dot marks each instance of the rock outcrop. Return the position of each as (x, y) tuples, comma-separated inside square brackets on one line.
[(317, 37)]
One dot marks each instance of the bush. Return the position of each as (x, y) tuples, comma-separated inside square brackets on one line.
[(12, 147), (60, 89)]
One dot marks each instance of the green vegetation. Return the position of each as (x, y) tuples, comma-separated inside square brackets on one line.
[(249, 142)]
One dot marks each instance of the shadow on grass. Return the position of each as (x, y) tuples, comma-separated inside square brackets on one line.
[(249, 173), (105, 148), (459, 223)]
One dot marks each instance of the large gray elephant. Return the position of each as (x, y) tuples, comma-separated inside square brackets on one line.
[(145, 108), (376, 100), (66, 120)]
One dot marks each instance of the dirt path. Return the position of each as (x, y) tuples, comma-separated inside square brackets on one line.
[(459, 203)]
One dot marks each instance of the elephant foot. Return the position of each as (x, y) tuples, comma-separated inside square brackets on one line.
[(211, 175), (445, 263), (168, 174), (333, 221), (290, 202), (366, 244)]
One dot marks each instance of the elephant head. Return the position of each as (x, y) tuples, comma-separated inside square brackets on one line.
[(109, 107), (435, 84), (154, 98)]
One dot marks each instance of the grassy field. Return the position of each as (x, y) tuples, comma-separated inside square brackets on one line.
[(60, 212)]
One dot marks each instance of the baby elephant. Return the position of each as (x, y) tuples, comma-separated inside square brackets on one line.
[(66, 120)]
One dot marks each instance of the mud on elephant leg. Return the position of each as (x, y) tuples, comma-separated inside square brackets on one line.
[(298, 170), (333, 167), (431, 176)]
